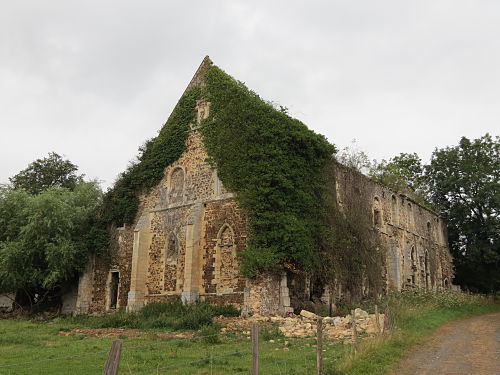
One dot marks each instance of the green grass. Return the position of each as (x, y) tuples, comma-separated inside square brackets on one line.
[(24, 341), (415, 316), (39, 345)]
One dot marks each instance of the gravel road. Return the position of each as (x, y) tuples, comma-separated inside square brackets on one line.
[(465, 347)]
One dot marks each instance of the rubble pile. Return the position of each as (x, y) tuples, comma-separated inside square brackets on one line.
[(337, 327), (305, 324)]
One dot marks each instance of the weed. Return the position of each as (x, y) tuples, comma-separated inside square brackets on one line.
[(210, 334), (271, 333)]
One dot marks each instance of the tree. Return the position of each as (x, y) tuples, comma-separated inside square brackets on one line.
[(403, 173), (464, 184), (50, 171), (45, 239)]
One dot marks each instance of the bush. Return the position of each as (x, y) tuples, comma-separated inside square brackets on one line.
[(169, 316), (225, 310), (117, 320), (156, 309), (194, 319)]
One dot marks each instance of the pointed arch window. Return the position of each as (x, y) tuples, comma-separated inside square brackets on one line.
[(226, 264)]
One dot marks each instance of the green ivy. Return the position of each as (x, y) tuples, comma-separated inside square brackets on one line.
[(274, 164), (121, 202), (279, 170)]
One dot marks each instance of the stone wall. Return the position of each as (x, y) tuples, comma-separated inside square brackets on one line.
[(184, 242), (188, 232), (413, 236)]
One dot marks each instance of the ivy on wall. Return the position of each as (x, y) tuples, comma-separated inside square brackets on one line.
[(352, 255), (122, 201), (273, 163), (280, 172)]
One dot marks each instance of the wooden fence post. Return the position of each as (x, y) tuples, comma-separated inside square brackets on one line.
[(354, 331), (377, 319), (113, 362), (255, 349), (319, 347)]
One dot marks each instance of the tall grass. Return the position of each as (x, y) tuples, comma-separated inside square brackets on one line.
[(171, 316), (414, 315)]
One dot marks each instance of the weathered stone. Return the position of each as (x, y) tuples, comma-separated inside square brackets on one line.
[(308, 315), (360, 314), (189, 231)]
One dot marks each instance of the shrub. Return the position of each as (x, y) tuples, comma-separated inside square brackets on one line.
[(225, 310), (194, 319), (156, 309), (117, 320)]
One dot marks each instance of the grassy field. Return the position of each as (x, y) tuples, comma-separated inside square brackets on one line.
[(42, 348), (38, 347)]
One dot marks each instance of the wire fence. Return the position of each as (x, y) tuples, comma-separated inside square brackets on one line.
[(224, 354)]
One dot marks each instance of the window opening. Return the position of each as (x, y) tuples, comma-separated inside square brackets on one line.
[(115, 282)]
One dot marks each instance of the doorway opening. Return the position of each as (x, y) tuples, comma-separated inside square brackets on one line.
[(113, 289)]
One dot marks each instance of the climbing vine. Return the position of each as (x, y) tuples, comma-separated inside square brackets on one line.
[(274, 164), (352, 255), (122, 201), (281, 173)]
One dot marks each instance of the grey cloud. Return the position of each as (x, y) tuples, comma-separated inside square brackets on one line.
[(94, 79)]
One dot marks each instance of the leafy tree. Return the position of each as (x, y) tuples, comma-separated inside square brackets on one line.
[(403, 173), (464, 184), (45, 239), (43, 173)]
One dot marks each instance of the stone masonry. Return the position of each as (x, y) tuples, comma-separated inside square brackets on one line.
[(189, 231)]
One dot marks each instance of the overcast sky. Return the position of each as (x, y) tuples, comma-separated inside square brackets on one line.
[(91, 80)]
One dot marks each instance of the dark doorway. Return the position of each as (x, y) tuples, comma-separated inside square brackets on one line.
[(113, 289)]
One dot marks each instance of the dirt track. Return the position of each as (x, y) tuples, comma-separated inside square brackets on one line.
[(465, 347)]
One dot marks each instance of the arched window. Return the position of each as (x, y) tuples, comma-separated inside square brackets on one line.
[(410, 216), (377, 214), (176, 185), (427, 270), (226, 265), (394, 210), (172, 248), (413, 257)]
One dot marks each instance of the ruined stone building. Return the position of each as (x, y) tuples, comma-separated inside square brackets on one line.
[(189, 230)]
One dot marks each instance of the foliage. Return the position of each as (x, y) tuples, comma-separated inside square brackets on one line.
[(352, 157), (50, 171), (44, 239), (274, 164), (121, 202), (463, 184), (403, 173), (171, 316), (351, 254)]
